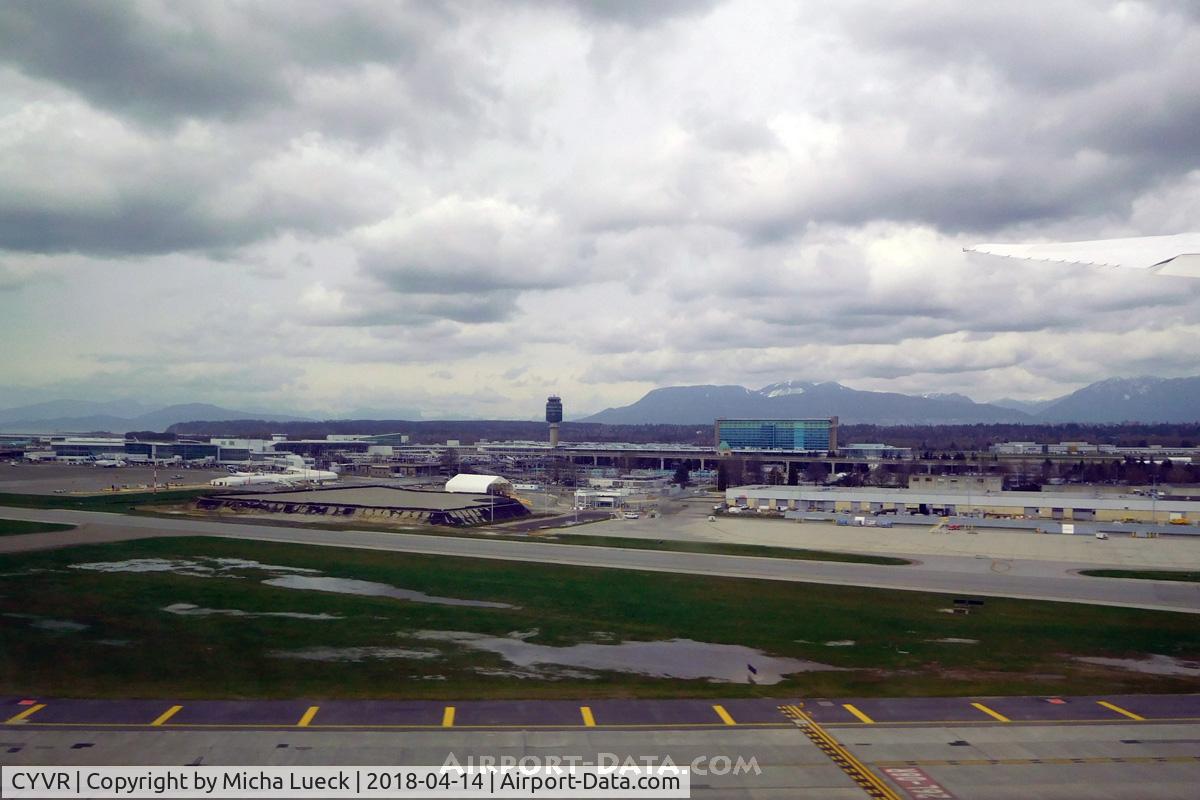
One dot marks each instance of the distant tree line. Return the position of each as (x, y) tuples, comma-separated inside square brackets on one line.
[(466, 431), (981, 436), (922, 438)]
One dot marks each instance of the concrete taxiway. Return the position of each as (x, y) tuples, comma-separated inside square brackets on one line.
[(957, 575)]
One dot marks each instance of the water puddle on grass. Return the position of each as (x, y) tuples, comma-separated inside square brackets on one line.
[(1153, 665), (189, 610), (197, 568), (352, 654), (673, 658), (281, 576), (51, 625), (555, 674), (372, 589)]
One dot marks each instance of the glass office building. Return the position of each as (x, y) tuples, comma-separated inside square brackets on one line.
[(810, 435), (186, 451)]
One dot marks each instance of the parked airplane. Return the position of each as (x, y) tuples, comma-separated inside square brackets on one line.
[(1177, 254), (108, 462), (294, 476)]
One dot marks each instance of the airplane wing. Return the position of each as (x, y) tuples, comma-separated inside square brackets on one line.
[(1177, 254)]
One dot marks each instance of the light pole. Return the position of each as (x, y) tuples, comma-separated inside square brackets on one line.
[(1153, 498)]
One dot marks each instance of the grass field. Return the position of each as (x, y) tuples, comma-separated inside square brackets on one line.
[(13, 527), (116, 502), (1144, 574), (132, 647)]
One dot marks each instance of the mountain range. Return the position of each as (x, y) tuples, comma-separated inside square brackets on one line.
[(1145, 399), (118, 416)]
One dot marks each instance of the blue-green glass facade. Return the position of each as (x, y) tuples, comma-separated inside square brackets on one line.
[(778, 434)]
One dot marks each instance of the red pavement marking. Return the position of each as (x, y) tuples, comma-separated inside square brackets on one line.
[(27, 702), (917, 784)]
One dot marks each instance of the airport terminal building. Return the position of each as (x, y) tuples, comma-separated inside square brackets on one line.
[(788, 435)]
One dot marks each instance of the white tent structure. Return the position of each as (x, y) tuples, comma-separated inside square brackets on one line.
[(478, 484), (1178, 254)]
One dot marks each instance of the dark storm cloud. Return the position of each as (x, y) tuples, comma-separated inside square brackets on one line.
[(1046, 47), (139, 225), (116, 56), (637, 13), (132, 195), (213, 126), (1069, 107), (163, 61)]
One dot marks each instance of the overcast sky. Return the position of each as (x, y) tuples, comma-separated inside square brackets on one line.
[(460, 208)]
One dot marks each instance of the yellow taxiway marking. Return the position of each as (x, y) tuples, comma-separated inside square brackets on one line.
[(166, 715), (1119, 710), (308, 717), (858, 714), (993, 714), (589, 721), (24, 715), (858, 772), (448, 717), (724, 715), (367, 726)]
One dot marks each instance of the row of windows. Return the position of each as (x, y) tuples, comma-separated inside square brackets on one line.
[(792, 434), (185, 450)]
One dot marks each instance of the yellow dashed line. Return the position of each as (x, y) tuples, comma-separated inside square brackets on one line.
[(166, 715), (588, 720), (308, 717), (1119, 710), (24, 715), (258, 726), (860, 715), (448, 717), (724, 715), (993, 714)]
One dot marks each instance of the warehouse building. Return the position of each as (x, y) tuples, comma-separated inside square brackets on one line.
[(957, 501)]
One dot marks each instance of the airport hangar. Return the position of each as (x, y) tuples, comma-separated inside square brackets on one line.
[(468, 500)]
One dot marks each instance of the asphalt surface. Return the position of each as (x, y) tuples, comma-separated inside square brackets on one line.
[(418, 715), (1057, 748), (565, 521), (955, 575), (59, 478)]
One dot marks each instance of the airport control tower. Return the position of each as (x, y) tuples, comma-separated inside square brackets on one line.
[(554, 416)]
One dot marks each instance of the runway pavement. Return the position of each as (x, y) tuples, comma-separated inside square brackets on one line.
[(417, 715), (946, 574), (991, 748)]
